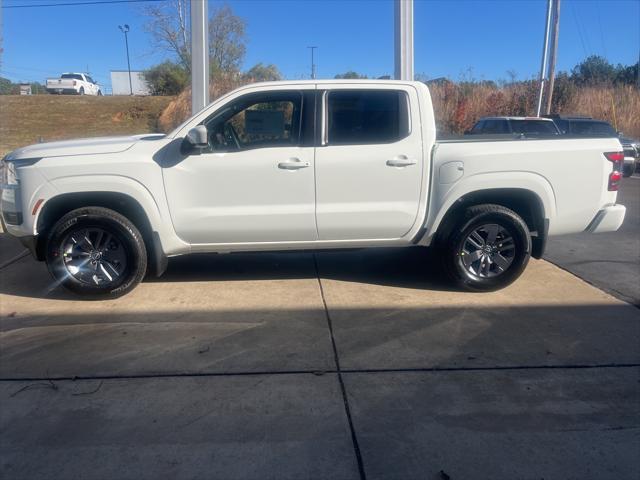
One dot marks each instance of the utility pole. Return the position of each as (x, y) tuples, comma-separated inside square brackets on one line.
[(403, 39), (199, 55), (313, 63), (125, 29), (554, 52), (545, 50)]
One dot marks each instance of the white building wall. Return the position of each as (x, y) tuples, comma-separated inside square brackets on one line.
[(120, 83)]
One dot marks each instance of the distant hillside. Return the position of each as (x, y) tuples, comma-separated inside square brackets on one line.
[(25, 120)]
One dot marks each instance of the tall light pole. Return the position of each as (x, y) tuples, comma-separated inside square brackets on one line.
[(313, 63), (545, 51), (124, 29), (403, 39), (199, 55)]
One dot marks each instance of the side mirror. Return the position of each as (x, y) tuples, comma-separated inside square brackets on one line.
[(198, 137)]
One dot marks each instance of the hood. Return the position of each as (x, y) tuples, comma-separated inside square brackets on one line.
[(85, 146)]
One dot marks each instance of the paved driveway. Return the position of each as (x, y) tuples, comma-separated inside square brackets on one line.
[(330, 366)]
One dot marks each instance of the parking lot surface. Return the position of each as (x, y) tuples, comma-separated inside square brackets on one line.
[(346, 365)]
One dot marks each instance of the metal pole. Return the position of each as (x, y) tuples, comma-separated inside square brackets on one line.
[(126, 42), (199, 55), (545, 49), (403, 39), (313, 63), (554, 52)]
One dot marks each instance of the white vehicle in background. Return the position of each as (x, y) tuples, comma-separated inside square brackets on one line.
[(306, 165), (74, 84)]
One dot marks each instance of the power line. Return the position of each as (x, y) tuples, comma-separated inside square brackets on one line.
[(73, 4)]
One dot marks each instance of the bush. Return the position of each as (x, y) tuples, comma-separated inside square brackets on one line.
[(168, 78)]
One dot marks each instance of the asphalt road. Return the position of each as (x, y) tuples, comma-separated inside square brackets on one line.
[(610, 261)]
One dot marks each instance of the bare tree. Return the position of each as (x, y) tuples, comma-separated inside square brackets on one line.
[(168, 25), (227, 42)]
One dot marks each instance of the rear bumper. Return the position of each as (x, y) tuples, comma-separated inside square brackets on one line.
[(609, 219)]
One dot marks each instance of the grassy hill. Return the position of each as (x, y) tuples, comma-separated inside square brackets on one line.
[(25, 120)]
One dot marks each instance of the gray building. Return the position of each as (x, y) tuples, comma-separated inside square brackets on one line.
[(120, 83)]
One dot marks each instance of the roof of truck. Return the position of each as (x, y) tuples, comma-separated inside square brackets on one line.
[(516, 118)]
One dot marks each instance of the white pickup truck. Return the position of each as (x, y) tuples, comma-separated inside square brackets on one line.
[(73, 83), (305, 165)]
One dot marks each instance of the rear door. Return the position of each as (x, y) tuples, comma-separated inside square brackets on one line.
[(369, 163)]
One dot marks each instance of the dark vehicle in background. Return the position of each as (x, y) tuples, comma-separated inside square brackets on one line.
[(523, 126), (579, 126)]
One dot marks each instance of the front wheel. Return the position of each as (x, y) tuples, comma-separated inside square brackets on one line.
[(96, 252), (487, 249), (81, 91)]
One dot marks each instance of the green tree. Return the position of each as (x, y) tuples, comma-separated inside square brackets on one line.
[(167, 78), (6, 86), (350, 75), (594, 70), (262, 73)]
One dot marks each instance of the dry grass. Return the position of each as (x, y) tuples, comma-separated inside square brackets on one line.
[(180, 108), (26, 120), (458, 106)]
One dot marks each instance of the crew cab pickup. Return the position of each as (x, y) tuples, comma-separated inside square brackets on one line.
[(73, 83), (305, 165)]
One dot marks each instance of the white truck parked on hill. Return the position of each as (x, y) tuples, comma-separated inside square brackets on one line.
[(73, 83), (301, 166)]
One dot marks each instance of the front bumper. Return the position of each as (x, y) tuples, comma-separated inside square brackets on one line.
[(609, 219)]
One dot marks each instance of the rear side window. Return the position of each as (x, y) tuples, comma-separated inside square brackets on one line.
[(367, 116), (495, 126)]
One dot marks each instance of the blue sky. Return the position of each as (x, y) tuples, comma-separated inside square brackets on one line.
[(482, 39)]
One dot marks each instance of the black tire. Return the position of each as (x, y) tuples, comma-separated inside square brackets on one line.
[(486, 273), (118, 258), (99, 93), (81, 91), (627, 170)]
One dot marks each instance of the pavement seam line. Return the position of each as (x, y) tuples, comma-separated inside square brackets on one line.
[(13, 260), (343, 389), (319, 372)]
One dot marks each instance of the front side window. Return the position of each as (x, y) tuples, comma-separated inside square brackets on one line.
[(366, 116), (256, 121), (592, 128)]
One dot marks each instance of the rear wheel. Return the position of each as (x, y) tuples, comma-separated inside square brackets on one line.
[(96, 252), (487, 249)]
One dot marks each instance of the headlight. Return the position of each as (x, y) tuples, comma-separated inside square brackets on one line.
[(9, 176)]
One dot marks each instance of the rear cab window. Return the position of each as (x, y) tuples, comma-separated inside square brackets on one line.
[(366, 116)]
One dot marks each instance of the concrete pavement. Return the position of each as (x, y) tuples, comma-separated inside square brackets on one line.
[(343, 365)]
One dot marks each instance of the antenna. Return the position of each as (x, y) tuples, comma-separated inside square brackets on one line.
[(313, 63)]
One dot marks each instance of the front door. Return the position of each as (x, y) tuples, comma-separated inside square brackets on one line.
[(369, 166), (255, 181)]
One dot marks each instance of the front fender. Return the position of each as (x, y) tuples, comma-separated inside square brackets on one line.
[(115, 184), (446, 196)]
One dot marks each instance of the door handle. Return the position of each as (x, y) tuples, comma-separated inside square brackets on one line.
[(400, 161), (293, 164)]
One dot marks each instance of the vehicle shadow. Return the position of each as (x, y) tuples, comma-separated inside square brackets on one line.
[(394, 267), (416, 268)]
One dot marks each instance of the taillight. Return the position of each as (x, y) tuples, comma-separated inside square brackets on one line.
[(614, 156), (74, 83), (615, 176)]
